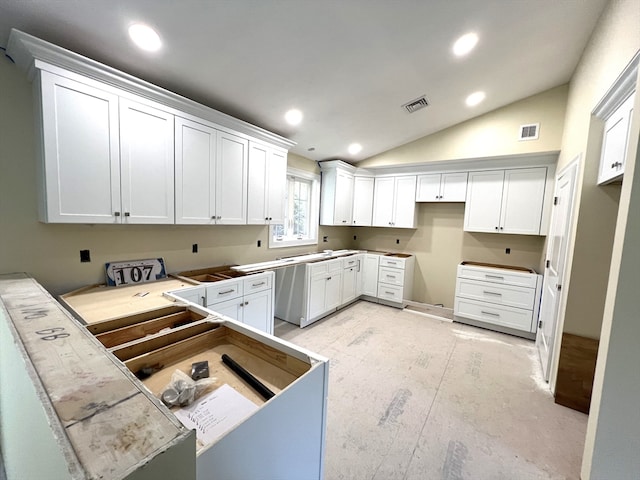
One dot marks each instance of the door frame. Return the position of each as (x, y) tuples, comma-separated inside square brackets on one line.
[(574, 164)]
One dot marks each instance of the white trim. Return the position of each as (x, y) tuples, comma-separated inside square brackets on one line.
[(621, 89)]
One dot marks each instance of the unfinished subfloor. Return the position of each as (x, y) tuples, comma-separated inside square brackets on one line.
[(413, 397)]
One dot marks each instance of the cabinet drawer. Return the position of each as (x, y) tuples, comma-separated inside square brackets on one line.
[(221, 291), (514, 296), (392, 276), (334, 266), (350, 261), (510, 317), (498, 275), (393, 262), (392, 293), (256, 283)]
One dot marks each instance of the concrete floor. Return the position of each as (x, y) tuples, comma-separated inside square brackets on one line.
[(413, 397)]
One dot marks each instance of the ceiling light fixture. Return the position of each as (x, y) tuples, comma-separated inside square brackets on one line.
[(355, 148), (475, 98), (465, 44), (293, 116), (145, 37)]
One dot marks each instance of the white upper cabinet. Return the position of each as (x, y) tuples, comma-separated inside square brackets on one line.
[(195, 173), (336, 193), (80, 162), (362, 201), (505, 201), (394, 202), (615, 142), (267, 185), (146, 163), (231, 179), (442, 187)]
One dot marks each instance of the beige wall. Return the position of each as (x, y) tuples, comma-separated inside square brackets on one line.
[(50, 252), (613, 43), (490, 135), (440, 244)]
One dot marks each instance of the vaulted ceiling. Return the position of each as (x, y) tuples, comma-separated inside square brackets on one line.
[(348, 65)]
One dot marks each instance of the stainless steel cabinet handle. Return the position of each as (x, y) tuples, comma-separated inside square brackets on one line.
[(490, 313), (226, 292), (204, 301), (494, 276), (257, 284), (492, 293)]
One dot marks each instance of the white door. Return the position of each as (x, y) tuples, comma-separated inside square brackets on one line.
[(257, 204), (147, 163), (484, 197), (195, 173), (257, 311), (231, 179), (316, 299), (453, 187), (428, 189), (230, 308), (557, 242), (344, 199), (383, 202), (362, 201), (277, 186), (348, 284), (370, 275), (404, 205), (522, 197), (81, 152)]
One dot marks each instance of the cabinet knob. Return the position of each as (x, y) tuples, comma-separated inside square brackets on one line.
[(213, 217), (219, 217), (266, 218), (270, 218), (501, 228), (116, 214), (127, 214), (496, 228)]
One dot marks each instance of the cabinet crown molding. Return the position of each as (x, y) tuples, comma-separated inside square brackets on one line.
[(31, 53), (624, 86)]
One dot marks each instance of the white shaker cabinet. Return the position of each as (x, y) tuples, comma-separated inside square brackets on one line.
[(146, 163), (362, 201), (615, 142), (80, 162), (336, 194), (195, 165), (350, 278), (231, 179), (505, 201), (324, 281), (394, 202), (370, 264), (266, 185), (442, 187)]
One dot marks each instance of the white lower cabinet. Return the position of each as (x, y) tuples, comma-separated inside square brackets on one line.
[(504, 299), (370, 274), (395, 279), (350, 278), (325, 283)]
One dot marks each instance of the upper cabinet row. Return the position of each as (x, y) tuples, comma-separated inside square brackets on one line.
[(496, 201), (114, 158)]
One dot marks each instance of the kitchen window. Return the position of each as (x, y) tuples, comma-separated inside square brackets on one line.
[(301, 215)]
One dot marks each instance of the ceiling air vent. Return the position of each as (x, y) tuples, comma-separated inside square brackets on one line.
[(415, 105), (529, 132)]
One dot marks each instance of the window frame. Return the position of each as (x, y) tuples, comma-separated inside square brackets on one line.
[(314, 211)]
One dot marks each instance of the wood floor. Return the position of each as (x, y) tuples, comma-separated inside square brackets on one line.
[(412, 397)]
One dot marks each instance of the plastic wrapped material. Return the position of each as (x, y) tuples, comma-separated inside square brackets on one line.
[(182, 391)]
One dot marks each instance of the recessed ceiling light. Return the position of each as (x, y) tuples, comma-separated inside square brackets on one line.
[(145, 37), (475, 98), (355, 148), (293, 116), (465, 44)]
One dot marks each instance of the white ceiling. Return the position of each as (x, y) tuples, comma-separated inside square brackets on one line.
[(349, 65)]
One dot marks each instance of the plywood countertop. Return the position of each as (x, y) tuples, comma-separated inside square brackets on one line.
[(98, 302)]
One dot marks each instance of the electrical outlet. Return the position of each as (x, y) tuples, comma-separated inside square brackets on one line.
[(355, 238), (194, 248), (325, 238), (85, 256), (397, 241), (259, 243), (507, 250)]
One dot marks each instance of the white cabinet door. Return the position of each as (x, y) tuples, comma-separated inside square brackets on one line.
[(404, 205), (316, 299), (362, 201), (428, 188), (231, 179), (257, 311), (370, 274), (267, 185), (383, 197), (195, 165), (230, 308), (344, 199), (81, 154), (348, 284), (453, 187), (147, 163), (484, 198), (522, 197), (276, 186), (333, 292), (615, 142), (192, 294)]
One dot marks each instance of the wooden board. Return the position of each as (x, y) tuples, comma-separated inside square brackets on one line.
[(99, 302), (88, 390), (576, 368)]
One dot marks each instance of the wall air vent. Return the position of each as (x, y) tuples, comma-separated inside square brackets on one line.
[(415, 105), (529, 132)]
